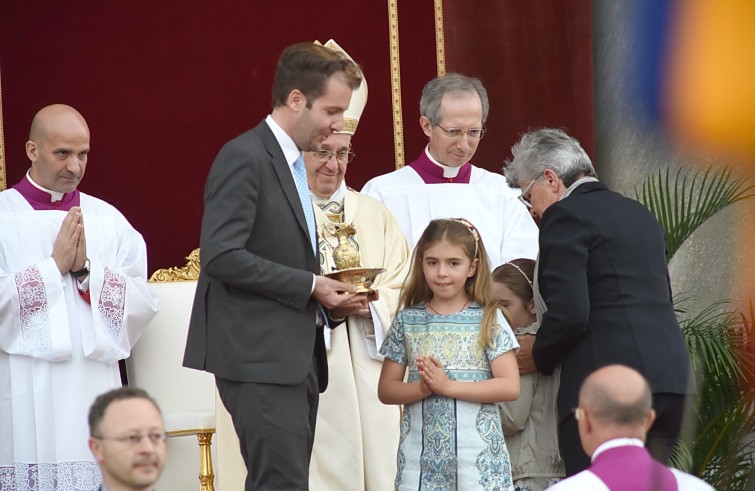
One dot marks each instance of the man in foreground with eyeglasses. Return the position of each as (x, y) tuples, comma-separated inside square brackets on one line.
[(127, 438), (443, 183), (613, 417), (357, 435)]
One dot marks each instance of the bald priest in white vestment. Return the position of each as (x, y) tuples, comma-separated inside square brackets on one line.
[(73, 301), (442, 182), (357, 435)]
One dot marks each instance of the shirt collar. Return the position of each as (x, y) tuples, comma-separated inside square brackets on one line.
[(54, 195), (448, 172), (616, 442), (290, 151)]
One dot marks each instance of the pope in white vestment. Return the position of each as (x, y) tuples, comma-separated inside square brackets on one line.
[(356, 436), (442, 183), (60, 337)]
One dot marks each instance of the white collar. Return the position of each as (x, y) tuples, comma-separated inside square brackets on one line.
[(290, 151), (448, 172), (54, 195), (616, 442), (337, 196)]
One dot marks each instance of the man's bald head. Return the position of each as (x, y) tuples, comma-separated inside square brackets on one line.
[(614, 402), (58, 147), (51, 116), (616, 395)]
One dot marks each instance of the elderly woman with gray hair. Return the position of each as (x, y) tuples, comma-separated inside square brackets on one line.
[(602, 288)]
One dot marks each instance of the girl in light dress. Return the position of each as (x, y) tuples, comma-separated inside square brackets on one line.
[(458, 350), (529, 423)]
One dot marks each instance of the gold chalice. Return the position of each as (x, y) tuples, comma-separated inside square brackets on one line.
[(347, 261)]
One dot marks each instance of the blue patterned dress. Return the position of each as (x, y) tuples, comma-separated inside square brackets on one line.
[(449, 444)]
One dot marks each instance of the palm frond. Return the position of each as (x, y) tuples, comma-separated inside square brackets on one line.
[(683, 201), (722, 449), (681, 457), (709, 339)]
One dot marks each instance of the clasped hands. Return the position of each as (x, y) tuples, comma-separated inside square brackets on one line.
[(433, 378), (70, 248)]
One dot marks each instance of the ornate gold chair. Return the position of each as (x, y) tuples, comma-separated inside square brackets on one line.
[(186, 397)]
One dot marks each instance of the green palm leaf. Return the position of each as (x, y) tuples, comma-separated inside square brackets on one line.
[(708, 339), (684, 200)]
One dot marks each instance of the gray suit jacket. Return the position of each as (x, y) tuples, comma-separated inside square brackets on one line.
[(253, 319)]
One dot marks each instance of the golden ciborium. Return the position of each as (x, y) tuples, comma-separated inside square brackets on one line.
[(346, 258)]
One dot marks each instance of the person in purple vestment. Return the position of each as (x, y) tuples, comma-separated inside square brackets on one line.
[(73, 301), (443, 183), (613, 417)]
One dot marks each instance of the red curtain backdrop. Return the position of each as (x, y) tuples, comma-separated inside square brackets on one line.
[(535, 59), (164, 85)]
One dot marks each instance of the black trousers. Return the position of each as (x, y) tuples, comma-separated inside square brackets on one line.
[(276, 429), (661, 438)]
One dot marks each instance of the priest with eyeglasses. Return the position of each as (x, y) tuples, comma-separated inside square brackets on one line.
[(443, 183)]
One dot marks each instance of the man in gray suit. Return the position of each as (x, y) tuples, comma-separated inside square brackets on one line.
[(260, 305)]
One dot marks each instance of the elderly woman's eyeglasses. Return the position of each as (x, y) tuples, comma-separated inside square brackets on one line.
[(524, 197), (343, 157), (472, 133)]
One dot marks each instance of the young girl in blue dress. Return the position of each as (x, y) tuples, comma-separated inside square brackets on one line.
[(459, 353)]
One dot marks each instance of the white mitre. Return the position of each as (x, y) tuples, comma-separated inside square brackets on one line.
[(358, 97)]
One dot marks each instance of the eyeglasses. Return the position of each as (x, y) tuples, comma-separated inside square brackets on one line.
[(343, 157), (472, 133), (578, 413), (524, 198), (135, 440)]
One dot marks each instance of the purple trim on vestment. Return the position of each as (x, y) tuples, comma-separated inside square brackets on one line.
[(40, 200), (632, 468), (431, 173)]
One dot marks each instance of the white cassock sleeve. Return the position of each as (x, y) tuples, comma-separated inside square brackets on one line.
[(122, 304), (43, 313), (30, 302)]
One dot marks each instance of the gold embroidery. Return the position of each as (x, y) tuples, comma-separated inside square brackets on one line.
[(398, 119), (440, 40)]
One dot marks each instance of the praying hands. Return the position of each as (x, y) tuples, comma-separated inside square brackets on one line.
[(69, 251)]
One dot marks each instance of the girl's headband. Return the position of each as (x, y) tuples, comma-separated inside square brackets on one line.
[(472, 230), (520, 270)]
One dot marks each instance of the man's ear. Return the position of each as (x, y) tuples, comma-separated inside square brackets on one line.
[(426, 125), (32, 150), (649, 420), (94, 447), (296, 100)]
